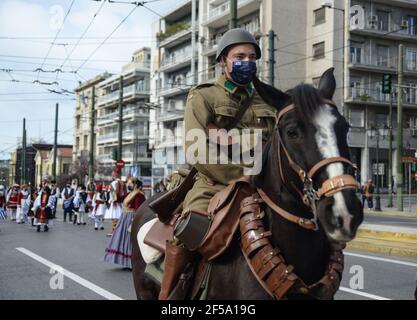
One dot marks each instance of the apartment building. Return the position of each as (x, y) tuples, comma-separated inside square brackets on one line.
[(134, 81), (82, 117), (175, 72)]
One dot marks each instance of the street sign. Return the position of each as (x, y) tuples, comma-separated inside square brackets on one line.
[(120, 164), (408, 159)]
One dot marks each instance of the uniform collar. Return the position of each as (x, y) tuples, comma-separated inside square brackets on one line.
[(231, 86)]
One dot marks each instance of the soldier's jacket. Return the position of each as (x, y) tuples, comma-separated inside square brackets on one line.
[(218, 104)]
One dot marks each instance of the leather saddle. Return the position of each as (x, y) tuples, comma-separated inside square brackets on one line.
[(224, 212)]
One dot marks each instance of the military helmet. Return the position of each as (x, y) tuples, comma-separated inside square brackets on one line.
[(236, 36)]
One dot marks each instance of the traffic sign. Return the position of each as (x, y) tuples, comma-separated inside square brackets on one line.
[(120, 164)]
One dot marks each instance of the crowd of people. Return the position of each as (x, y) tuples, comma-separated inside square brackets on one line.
[(118, 201)]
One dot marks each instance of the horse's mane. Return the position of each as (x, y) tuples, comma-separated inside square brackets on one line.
[(306, 99)]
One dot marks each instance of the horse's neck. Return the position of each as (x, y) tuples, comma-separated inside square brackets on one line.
[(306, 250)]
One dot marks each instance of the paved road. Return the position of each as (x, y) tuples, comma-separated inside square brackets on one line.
[(26, 259)]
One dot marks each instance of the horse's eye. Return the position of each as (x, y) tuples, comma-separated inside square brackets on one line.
[(292, 133)]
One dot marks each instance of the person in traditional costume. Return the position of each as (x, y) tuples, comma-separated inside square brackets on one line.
[(117, 194), (80, 205), (68, 196), (12, 201), (31, 213), (23, 200), (43, 208), (3, 212), (56, 194), (119, 250), (100, 207)]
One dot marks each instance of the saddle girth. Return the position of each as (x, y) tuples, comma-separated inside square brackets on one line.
[(268, 265)]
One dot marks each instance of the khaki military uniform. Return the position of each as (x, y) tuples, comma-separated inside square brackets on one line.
[(218, 104)]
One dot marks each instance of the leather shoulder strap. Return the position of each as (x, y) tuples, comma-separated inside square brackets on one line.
[(240, 113)]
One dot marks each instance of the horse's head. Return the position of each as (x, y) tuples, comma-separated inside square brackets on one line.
[(311, 143)]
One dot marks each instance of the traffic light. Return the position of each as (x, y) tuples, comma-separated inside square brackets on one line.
[(386, 83), (114, 154)]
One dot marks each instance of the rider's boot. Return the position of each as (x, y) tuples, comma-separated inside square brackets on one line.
[(176, 260)]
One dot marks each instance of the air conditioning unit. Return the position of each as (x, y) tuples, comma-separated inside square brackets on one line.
[(404, 24), (373, 22)]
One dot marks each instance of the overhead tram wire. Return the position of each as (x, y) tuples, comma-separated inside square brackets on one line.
[(111, 33), (81, 37), (56, 35)]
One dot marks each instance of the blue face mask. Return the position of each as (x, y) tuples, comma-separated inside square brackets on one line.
[(243, 71)]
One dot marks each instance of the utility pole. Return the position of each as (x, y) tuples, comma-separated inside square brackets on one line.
[(92, 122), (23, 155), (193, 43), (120, 145), (55, 143), (271, 61), (390, 186), (233, 14), (400, 129)]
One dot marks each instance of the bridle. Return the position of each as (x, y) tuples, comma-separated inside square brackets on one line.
[(309, 194)]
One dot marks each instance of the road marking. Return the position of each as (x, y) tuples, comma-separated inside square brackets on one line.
[(364, 294), (405, 263), (85, 283)]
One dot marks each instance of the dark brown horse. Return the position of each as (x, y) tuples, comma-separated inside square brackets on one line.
[(311, 132)]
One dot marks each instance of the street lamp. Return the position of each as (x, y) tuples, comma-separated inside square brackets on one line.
[(377, 133)]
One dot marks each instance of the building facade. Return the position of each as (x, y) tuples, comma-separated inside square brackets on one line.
[(174, 73), (134, 79)]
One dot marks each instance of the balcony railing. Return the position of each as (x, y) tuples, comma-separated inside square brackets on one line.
[(142, 89), (175, 59), (223, 9), (365, 94), (374, 61), (127, 112)]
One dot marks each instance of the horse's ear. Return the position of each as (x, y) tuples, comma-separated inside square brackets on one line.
[(271, 95), (327, 84)]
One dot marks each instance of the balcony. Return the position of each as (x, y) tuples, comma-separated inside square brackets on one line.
[(411, 4), (175, 62), (130, 93), (375, 64), (398, 30), (365, 95), (171, 116), (208, 76), (210, 47), (175, 37), (128, 135), (218, 16), (128, 114)]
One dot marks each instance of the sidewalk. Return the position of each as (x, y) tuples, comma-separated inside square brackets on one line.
[(388, 240)]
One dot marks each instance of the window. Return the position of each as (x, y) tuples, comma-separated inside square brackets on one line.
[(85, 146), (381, 119), (383, 20), (319, 16), (411, 59), (411, 93), (355, 54), (412, 25), (355, 88), (66, 168), (382, 55), (356, 118), (318, 50)]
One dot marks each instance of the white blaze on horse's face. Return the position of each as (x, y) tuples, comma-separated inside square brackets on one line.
[(327, 145)]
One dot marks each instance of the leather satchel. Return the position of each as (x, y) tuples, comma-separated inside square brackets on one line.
[(168, 204)]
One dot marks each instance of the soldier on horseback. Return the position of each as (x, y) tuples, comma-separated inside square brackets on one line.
[(229, 103)]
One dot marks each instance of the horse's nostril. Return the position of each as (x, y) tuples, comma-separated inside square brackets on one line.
[(339, 222)]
